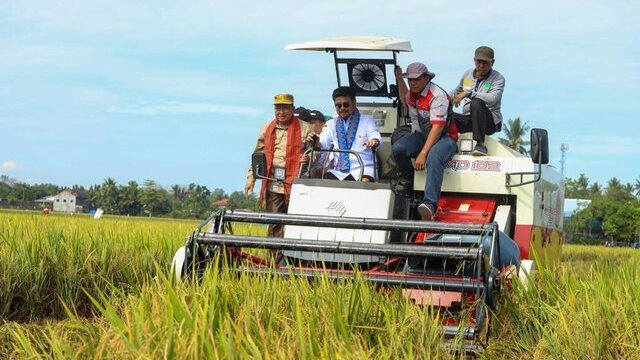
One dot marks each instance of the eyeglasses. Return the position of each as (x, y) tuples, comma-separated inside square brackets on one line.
[(345, 105)]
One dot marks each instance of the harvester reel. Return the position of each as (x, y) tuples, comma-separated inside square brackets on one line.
[(450, 260)]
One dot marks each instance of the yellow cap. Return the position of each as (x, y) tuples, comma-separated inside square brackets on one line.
[(284, 99)]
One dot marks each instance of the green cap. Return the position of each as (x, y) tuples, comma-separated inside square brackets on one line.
[(484, 53)]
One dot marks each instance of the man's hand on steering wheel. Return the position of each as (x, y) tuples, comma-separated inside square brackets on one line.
[(372, 143)]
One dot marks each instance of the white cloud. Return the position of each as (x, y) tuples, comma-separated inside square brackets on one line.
[(178, 108), (563, 47), (8, 165), (72, 60), (147, 20)]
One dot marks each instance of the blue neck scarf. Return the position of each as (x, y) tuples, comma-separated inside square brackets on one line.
[(346, 137)]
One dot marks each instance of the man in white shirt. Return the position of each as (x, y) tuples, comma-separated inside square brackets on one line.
[(349, 130)]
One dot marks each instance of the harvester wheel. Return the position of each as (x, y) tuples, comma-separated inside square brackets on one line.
[(493, 289), (485, 330), (190, 261), (178, 264)]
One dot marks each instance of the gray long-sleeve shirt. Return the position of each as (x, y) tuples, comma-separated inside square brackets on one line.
[(488, 90)]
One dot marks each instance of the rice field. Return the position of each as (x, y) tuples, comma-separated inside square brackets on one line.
[(73, 287)]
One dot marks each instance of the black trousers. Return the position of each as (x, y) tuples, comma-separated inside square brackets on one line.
[(479, 121)]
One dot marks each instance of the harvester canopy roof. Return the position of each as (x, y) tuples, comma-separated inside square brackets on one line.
[(354, 43)]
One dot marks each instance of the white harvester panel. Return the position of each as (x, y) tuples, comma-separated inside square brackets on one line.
[(333, 198)]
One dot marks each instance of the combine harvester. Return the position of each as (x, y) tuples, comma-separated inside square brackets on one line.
[(492, 209)]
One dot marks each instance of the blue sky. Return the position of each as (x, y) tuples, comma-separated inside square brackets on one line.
[(175, 91)]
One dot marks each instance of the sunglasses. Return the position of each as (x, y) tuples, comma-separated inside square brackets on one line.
[(345, 105)]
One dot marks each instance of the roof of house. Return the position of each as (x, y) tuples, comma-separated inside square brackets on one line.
[(571, 205), (65, 192), (221, 203)]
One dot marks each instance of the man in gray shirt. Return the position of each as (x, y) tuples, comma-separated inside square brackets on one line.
[(480, 90)]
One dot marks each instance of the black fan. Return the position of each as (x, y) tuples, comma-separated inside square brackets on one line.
[(368, 79)]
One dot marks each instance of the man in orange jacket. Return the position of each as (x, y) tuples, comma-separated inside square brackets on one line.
[(281, 139)]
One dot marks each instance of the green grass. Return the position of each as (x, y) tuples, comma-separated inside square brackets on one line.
[(46, 261), (72, 287), (588, 309)]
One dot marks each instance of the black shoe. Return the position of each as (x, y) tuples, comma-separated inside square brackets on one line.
[(480, 150), (404, 187)]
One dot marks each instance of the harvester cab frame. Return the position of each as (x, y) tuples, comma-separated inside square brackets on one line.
[(259, 164), (371, 76), (497, 215)]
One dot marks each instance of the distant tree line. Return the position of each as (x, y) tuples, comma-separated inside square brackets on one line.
[(613, 214), (614, 211), (148, 199), (16, 191)]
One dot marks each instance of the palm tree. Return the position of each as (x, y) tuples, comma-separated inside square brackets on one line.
[(514, 131), (618, 191), (95, 196), (109, 195), (155, 199), (130, 199), (178, 193), (636, 187)]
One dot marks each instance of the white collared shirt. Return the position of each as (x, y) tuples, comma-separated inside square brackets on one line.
[(367, 130)]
